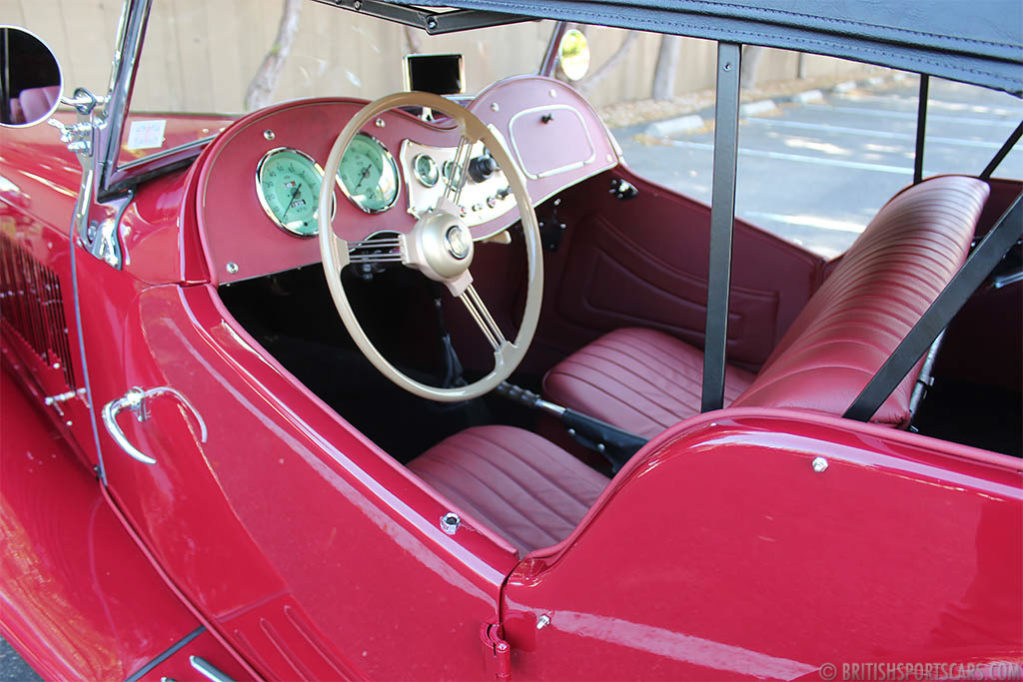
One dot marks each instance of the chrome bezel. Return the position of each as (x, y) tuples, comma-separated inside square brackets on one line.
[(390, 159), (266, 205), (418, 176)]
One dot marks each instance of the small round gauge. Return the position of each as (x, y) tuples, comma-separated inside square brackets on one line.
[(451, 172), (426, 170), (288, 185), (368, 175)]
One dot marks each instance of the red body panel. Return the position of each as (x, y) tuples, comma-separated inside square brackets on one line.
[(282, 479), (79, 600), (722, 553)]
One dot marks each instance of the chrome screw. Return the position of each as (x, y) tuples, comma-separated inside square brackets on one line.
[(543, 621), (820, 465), (232, 268), (450, 522), (269, 134)]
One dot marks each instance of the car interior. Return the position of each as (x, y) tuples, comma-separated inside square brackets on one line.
[(624, 296)]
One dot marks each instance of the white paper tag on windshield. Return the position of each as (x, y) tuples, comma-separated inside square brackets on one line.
[(146, 134)]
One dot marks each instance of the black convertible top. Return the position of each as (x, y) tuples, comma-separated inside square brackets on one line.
[(974, 41)]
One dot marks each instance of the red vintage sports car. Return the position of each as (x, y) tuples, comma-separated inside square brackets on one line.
[(435, 386)]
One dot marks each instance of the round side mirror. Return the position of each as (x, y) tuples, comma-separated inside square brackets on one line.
[(30, 78), (574, 54)]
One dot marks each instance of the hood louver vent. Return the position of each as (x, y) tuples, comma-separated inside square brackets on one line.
[(32, 306)]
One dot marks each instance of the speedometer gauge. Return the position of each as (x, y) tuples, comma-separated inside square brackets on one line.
[(368, 175), (288, 184)]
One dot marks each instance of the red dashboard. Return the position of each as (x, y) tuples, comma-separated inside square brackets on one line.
[(553, 134)]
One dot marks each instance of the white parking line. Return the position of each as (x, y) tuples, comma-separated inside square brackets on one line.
[(863, 111), (933, 103), (871, 133), (819, 222), (799, 158)]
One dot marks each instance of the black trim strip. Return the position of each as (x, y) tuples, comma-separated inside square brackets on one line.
[(434, 23), (977, 267), (174, 648), (921, 128), (722, 220), (1003, 152)]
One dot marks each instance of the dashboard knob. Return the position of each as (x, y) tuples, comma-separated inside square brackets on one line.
[(482, 167)]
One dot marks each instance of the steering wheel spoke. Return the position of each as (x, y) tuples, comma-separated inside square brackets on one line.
[(440, 246), (459, 170), (479, 312)]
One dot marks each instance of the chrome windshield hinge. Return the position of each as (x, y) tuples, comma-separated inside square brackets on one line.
[(77, 136)]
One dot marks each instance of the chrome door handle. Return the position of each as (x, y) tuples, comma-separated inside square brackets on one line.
[(135, 400)]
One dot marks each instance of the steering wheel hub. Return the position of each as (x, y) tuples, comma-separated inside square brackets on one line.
[(440, 246), (458, 241)]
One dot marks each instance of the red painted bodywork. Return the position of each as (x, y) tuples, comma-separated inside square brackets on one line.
[(720, 553), (78, 598), (310, 553)]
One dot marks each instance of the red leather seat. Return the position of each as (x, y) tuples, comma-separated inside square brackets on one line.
[(640, 380), (37, 102), (527, 489), (643, 380)]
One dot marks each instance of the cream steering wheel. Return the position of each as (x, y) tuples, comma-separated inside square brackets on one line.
[(440, 246)]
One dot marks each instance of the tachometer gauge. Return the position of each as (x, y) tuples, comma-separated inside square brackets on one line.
[(368, 175), (426, 170), (288, 184)]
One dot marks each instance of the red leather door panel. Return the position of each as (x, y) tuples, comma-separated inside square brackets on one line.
[(643, 262)]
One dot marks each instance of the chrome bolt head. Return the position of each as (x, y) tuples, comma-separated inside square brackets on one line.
[(450, 522), (269, 135), (820, 465), (232, 268), (543, 621)]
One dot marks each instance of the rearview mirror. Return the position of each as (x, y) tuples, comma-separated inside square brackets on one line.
[(574, 54), (30, 78)]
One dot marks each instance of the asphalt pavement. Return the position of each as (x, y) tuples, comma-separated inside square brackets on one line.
[(814, 172), (817, 172), (12, 667)]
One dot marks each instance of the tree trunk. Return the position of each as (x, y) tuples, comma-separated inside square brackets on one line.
[(667, 67), (261, 88), (590, 82), (751, 56)]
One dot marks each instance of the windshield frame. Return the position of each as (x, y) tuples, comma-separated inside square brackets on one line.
[(114, 179)]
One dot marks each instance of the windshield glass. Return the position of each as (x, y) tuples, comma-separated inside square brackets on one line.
[(225, 59)]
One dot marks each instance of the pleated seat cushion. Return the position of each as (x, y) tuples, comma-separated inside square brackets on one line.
[(640, 380), (522, 486)]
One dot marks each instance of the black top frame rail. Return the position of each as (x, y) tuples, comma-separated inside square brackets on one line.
[(434, 23), (722, 222), (1002, 152), (921, 128)]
